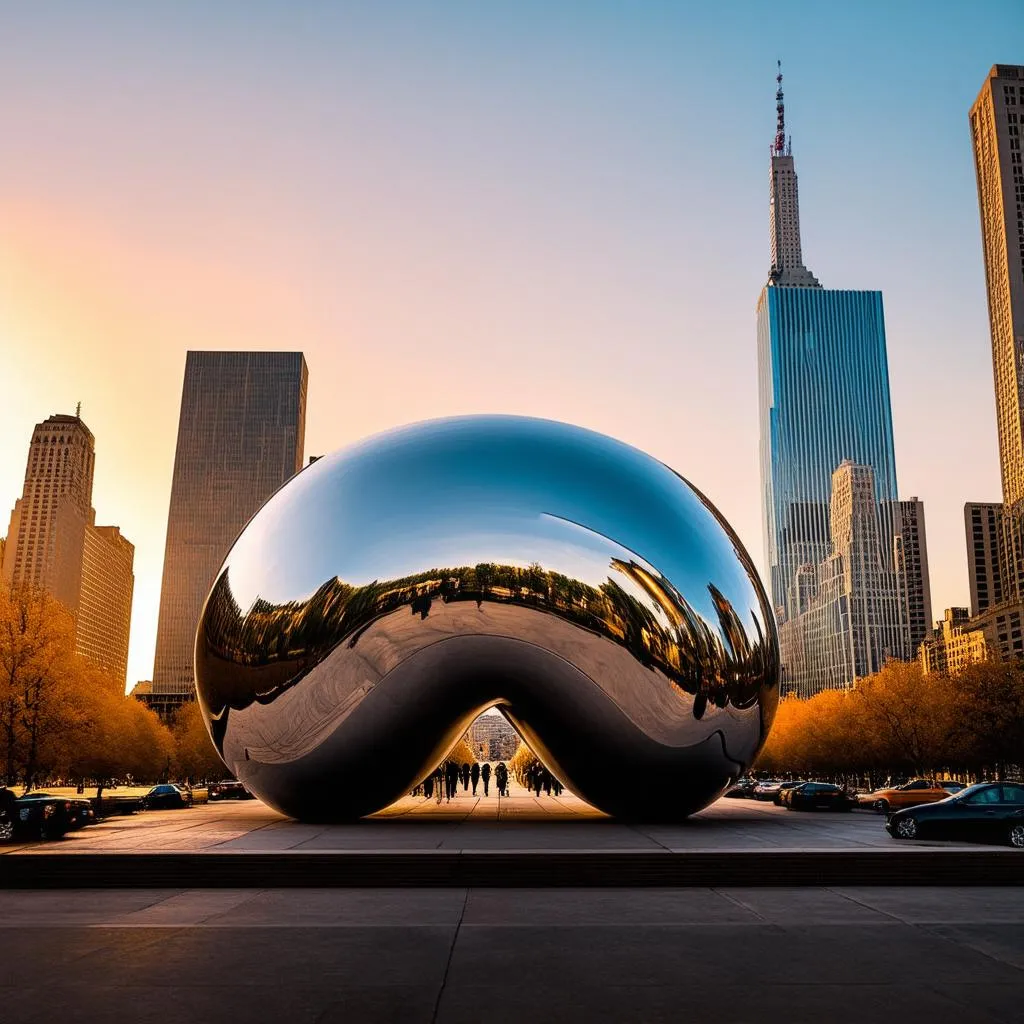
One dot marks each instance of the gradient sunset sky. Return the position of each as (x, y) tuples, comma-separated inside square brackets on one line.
[(556, 209)]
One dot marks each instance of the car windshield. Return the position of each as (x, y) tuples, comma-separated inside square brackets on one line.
[(966, 794)]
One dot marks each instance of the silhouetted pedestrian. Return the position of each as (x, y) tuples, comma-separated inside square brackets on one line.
[(451, 778), (464, 774), (538, 781), (439, 783), (428, 786), (485, 774), (474, 774), (501, 779)]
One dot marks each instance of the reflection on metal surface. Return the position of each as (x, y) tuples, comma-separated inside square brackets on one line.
[(394, 590)]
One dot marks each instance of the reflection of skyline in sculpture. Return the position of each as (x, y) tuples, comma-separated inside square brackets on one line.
[(585, 645), (295, 636)]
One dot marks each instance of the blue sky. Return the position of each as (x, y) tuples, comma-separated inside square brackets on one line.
[(556, 209)]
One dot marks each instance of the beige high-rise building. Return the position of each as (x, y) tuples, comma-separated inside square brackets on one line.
[(58, 477), (240, 436), (54, 543), (996, 120), (856, 618)]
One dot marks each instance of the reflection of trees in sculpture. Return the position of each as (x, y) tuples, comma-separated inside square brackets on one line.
[(717, 664)]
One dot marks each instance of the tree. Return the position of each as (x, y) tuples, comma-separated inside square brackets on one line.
[(989, 710), (37, 661), (195, 756), (59, 714)]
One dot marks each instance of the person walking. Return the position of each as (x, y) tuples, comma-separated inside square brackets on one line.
[(451, 776), (485, 774), (428, 786), (474, 775), (501, 778), (464, 775), (439, 783)]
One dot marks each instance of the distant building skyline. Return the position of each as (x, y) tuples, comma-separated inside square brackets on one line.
[(241, 433), (54, 543)]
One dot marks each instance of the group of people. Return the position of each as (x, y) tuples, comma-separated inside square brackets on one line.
[(537, 778), (443, 782)]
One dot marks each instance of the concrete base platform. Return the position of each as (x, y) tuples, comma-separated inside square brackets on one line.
[(521, 841), (502, 869)]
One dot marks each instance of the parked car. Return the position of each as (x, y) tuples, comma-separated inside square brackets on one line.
[(165, 797), (988, 812), (816, 796), (42, 817), (232, 789), (916, 791), (766, 789), (783, 788), (78, 810)]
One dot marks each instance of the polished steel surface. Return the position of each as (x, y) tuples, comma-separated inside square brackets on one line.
[(390, 592)]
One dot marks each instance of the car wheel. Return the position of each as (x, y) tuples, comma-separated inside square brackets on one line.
[(882, 806), (1017, 836), (906, 828)]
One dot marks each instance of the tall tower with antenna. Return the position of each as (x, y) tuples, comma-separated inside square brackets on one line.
[(827, 460), (787, 266)]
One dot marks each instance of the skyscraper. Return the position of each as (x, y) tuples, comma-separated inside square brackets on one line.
[(58, 477), (54, 543), (240, 437), (983, 525), (824, 401), (912, 565), (853, 613), (996, 119)]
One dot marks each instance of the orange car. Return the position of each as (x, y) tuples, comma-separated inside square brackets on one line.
[(910, 794)]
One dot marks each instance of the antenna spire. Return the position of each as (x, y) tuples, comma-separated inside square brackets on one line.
[(779, 146), (78, 411)]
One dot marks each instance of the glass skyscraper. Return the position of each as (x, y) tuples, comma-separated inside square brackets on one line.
[(824, 398), (240, 437), (824, 404)]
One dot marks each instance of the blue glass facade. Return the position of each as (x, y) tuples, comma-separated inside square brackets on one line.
[(824, 398)]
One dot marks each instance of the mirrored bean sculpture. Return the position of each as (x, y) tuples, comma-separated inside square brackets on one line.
[(391, 592)]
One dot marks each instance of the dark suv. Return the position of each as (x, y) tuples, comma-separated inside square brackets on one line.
[(166, 797), (229, 789), (43, 817), (77, 809)]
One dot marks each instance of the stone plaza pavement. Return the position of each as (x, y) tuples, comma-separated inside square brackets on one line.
[(519, 823), (475, 953), (317, 956)]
